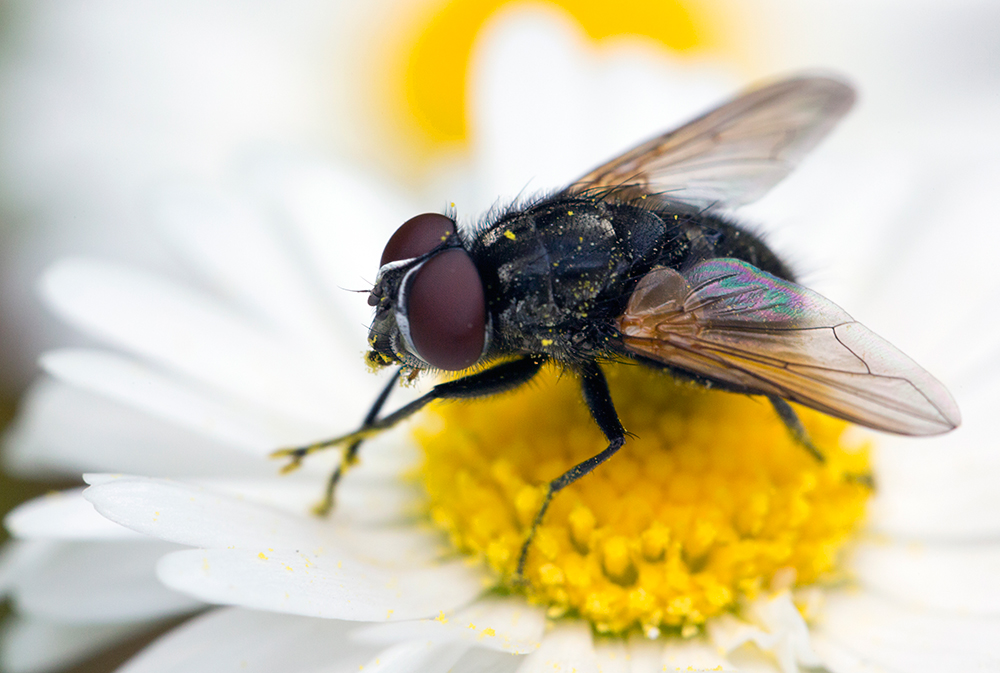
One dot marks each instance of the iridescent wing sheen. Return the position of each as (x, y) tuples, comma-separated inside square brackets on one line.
[(731, 155), (728, 321)]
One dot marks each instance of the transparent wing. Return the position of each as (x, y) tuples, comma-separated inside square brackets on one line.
[(733, 154), (730, 322)]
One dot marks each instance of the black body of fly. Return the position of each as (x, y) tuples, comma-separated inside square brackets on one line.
[(558, 273)]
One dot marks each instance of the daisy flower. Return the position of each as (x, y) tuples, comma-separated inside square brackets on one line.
[(729, 551)]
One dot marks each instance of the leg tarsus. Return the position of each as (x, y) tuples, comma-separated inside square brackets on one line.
[(602, 409), (559, 484), (295, 454), (349, 457), (347, 460)]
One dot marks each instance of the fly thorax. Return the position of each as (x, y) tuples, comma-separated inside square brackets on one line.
[(557, 260)]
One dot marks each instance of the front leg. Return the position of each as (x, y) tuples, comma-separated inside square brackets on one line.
[(350, 455), (497, 379), (602, 408)]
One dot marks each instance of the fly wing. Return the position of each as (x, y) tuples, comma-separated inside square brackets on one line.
[(731, 155), (730, 322)]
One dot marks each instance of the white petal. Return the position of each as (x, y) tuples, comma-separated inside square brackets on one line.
[(749, 659), (960, 579), (100, 582), (936, 268), (236, 640), (568, 648), (195, 336), (318, 583), (838, 659), (416, 656), (343, 220), (778, 616), (63, 429), (645, 655), (479, 660), (505, 624), (64, 515), (901, 639), (694, 655), (32, 646), (950, 495), (728, 633), (19, 557), (612, 655), (773, 629), (202, 516), (190, 406), (943, 488), (247, 259), (362, 498), (196, 516)]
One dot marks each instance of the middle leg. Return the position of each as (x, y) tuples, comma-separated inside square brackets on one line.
[(602, 409)]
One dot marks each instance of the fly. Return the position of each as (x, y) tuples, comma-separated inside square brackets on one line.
[(636, 262)]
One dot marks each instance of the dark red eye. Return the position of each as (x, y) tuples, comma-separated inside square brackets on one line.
[(418, 236), (446, 309)]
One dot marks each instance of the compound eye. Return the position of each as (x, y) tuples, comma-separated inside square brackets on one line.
[(417, 236), (446, 310)]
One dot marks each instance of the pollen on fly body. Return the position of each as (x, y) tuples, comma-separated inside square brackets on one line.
[(635, 261)]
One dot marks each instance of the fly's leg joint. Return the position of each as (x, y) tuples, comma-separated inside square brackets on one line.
[(348, 459), (297, 454)]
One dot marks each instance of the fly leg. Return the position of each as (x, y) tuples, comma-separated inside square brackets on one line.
[(602, 409), (795, 427), (499, 378), (297, 453), (798, 432), (350, 455)]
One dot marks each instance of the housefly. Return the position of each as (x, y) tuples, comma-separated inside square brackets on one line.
[(636, 262)]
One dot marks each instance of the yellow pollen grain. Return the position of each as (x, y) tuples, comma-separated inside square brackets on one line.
[(510, 234), (704, 506)]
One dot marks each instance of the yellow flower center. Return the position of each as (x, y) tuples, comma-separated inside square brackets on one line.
[(708, 501)]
